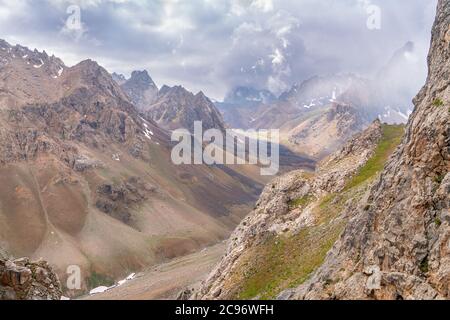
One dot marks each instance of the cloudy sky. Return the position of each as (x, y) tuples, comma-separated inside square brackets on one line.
[(214, 45)]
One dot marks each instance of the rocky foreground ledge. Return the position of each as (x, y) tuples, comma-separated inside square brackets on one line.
[(22, 279)]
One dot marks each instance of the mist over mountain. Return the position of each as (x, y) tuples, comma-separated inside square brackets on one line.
[(387, 96)]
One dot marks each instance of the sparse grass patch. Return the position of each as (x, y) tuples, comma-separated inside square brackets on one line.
[(97, 279), (286, 262), (326, 201), (392, 136), (424, 265), (300, 202), (439, 178), (438, 102)]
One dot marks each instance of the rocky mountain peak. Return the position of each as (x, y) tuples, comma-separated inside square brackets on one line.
[(201, 97), (34, 58), (176, 107), (4, 44), (141, 89), (177, 90), (142, 78), (90, 74), (90, 67), (29, 73), (119, 78)]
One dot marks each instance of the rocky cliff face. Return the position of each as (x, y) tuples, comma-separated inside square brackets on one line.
[(141, 89), (394, 227), (22, 279)]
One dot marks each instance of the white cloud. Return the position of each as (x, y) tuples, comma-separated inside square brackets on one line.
[(204, 44), (263, 5), (277, 57)]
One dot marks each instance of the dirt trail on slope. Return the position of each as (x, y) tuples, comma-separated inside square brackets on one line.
[(165, 281)]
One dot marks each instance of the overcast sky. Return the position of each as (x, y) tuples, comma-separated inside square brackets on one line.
[(214, 45)]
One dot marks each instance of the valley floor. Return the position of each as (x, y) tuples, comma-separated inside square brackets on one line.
[(165, 281)]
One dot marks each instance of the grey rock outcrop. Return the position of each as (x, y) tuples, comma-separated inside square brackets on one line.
[(141, 89), (22, 279)]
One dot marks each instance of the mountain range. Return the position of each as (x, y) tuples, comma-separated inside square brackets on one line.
[(87, 180), (170, 107), (318, 115), (86, 173)]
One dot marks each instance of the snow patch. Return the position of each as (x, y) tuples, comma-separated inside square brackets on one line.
[(148, 133), (40, 65), (308, 106), (102, 289), (333, 96), (98, 290), (60, 71)]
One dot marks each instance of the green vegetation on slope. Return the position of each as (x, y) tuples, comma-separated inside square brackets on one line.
[(392, 135), (287, 261), (96, 280), (300, 202), (438, 102)]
